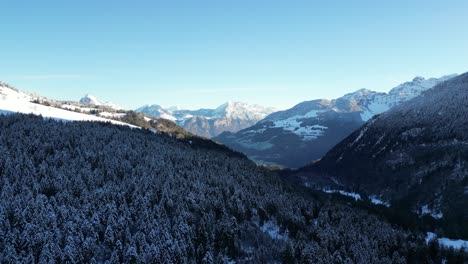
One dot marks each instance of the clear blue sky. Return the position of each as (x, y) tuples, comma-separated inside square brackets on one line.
[(202, 53)]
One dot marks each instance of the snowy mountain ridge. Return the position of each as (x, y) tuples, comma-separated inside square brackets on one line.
[(243, 111), (416, 152), (15, 101), (92, 100), (380, 102), (313, 127), (157, 111), (231, 116)]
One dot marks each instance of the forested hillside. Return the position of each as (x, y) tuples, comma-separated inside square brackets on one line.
[(415, 156), (94, 192)]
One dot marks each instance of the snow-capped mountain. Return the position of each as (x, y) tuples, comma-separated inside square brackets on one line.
[(156, 111), (240, 110), (231, 116), (90, 109), (296, 136), (414, 155), (93, 101), (375, 103), (15, 101)]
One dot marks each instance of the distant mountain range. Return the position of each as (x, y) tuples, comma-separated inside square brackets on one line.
[(89, 108), (304, 133), (231, 117), (290, 138), (414, 156)]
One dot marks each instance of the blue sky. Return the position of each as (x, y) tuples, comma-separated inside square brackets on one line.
[(203, 53)]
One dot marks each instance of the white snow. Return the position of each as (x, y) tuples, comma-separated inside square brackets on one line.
[(447, 242), (312, 113), (241, 111), (112, 115), (377, 201), (356, 196), (168, 117), (12, 101), (426, 211), (382, 102), (258, 131), (310, 132), (69, 107), (361, 134), (288, 124), (273, 230), (374, 108), (91, 100), (295, 125), (229, 110), (74, 108)]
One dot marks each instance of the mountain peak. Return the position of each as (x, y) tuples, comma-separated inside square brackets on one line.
[(358, 93), (243, 111), (419, 84), (156, 111), (89, 99)]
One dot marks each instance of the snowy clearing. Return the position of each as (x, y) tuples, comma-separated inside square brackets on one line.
[(426, 211), (356, 196), (12, 101), (446, 242), (273, 230)]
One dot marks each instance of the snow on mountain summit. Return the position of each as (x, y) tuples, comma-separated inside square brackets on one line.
[(409, 90), (156, 111), (231, 116), (243, 111), (308, 130), (92, 100)]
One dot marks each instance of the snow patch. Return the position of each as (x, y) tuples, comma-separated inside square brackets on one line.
[(273, 231), (91, 100), (295, 125), (374, 108), (447, 242), (12, 101), (426, 211), (112, 115), (356, 196), (375, 200)]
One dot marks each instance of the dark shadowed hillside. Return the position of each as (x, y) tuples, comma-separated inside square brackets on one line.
[(94, 192), (415, 156)]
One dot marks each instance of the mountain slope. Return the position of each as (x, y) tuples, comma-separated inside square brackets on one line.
[(91, 100), (415, 156), (156, 111), (90, 192), (231, 116), (295, 137), (14, 101)]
